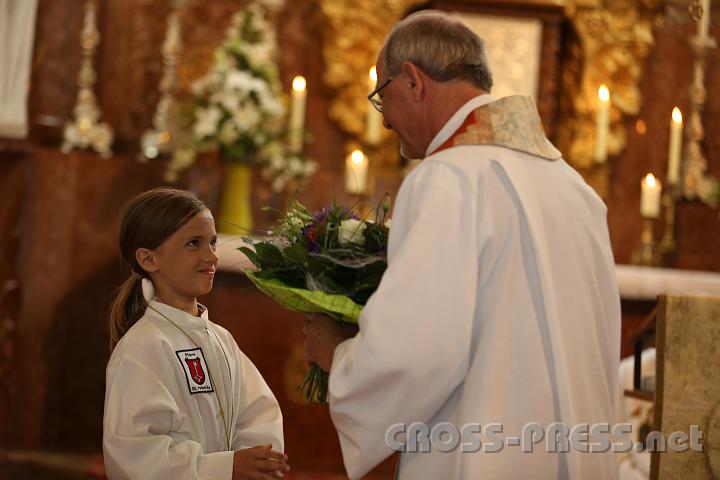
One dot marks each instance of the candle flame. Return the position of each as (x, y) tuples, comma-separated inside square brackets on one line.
[(650, 180), (299, 83), (676, 115), (603, 93), (357, 157), (373, 74)]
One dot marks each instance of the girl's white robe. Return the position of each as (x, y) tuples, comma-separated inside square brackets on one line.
[(155, 428)]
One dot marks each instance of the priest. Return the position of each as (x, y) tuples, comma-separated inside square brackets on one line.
[(499, 305)]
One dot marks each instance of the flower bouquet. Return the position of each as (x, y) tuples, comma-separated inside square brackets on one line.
[(327, 262)]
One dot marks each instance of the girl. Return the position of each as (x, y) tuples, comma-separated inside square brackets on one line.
[(182, 401)]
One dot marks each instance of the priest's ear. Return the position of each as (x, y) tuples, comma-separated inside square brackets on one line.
[(147, 260), (415, 78)]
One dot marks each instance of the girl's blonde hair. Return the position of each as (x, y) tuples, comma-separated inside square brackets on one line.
[(148, 220)]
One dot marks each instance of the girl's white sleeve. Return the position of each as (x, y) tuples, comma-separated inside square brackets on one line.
[(259, 420), (142, 431)]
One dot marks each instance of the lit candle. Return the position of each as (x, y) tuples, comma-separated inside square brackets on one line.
[(373, 120), (297, 114), (356, 170), (603, 125), (650, 196), (676, 128), (704, 23)]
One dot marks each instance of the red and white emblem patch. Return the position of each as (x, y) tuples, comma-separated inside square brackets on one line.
[(195, 368)]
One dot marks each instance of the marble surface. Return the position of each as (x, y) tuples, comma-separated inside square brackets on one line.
[(646, 283), (232, 259)]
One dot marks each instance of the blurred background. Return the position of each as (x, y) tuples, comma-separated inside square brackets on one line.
[(101, 100)]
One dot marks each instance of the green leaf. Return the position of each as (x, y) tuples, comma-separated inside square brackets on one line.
[(269, 254), (252, 256), (338, 307), (296, 253)]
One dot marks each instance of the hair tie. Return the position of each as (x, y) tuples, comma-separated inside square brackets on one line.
[(148, 290)]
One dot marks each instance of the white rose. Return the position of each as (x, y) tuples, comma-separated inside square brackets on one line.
[(351, 231)]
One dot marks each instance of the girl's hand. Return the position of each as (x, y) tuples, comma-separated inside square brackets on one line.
[(259, 463)]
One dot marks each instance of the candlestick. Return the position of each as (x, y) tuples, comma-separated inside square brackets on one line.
[(667, 244), (356, 171), (650, 196), (676, 129), (603, 125), (695, 182), (160, 138), (646, 254), (87, 131), (297, 114), (373, 119), (704, 23)]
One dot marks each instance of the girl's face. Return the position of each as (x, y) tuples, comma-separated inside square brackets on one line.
[(183, 266)]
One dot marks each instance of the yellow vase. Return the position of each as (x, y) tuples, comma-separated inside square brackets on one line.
[(236, 211)]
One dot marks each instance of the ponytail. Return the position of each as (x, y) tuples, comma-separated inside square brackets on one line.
[(127, 308)]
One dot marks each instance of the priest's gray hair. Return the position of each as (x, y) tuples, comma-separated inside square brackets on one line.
[(441, 46)]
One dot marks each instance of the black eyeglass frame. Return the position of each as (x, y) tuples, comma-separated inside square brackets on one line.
[(377, 103)]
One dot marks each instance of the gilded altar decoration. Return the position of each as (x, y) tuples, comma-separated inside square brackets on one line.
[(86, 131), (696, 183), (612, 40), (353, 34), (239, 108), (158, 139)]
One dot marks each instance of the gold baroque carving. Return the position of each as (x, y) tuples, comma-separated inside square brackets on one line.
[(613, 40), (353, 34)]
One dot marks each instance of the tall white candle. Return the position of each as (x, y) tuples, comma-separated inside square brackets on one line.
[(676, 128), (603, 125), (704, 23), (650, 189), (373, 120), (297, 114), (356, 170)]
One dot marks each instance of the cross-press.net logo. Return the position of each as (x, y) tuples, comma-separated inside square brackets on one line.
[(554, 438)]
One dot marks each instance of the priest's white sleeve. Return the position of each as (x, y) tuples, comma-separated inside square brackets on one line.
[(259, 421), (142, 431), (414, 343)]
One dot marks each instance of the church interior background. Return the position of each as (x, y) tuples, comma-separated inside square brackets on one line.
[(109, 104)]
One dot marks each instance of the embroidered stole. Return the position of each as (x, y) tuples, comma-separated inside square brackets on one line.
[(510, 122)]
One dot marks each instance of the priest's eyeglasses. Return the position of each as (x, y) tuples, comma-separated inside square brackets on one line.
[(375, 97)]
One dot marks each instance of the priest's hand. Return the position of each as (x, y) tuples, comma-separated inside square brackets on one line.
[(261, 462), (322, 336)]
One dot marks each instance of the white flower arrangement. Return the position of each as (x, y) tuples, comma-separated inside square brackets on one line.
[(239, 108)]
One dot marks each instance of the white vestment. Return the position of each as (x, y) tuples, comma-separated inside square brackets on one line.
[(499, 305), (163, 392)]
